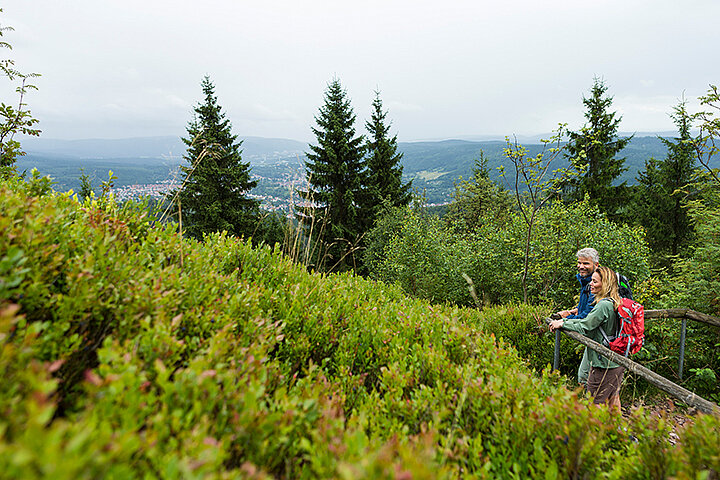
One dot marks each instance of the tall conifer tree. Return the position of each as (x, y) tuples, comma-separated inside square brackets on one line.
[(662, 189), (384, 170), (594, 148), (335, 169), (213, 196)]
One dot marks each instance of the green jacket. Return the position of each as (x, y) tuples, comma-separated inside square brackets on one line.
[(602, 315)]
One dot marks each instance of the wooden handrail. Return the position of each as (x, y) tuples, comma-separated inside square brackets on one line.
[(662, 383), (683, 313)]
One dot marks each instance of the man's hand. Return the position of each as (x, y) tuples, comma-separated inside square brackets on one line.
[(565, 313)]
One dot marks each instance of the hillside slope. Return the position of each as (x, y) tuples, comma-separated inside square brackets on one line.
[(129, 352)]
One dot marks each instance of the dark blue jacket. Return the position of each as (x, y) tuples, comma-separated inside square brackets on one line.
[(586, 297)]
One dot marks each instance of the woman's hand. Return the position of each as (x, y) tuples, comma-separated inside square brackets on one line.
[(555, 324)]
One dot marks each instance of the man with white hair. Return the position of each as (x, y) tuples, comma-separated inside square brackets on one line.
[(588, 260)]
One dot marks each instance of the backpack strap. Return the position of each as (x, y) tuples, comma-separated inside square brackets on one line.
[(606, 339)]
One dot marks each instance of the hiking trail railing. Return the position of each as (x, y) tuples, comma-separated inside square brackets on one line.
[(662, 383)]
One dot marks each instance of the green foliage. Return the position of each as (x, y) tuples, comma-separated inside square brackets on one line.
[(272, 228), (335, 169), (14, 119), (37, 185), (593, 150), (679, 207), (130, 352), (212, 196), (427, 258), (696, 282), (106, 186), (12, 271), (534, 184), (387, 227), (86, 190), (478, 199), (706, 143), (523, 327), (652, 457), (418, 252), (693, 284)]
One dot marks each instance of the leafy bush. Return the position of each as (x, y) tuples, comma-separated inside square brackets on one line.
[(428, 260), (129, 352), (561, 231), (478, 199), (416, 251), (523, 326)]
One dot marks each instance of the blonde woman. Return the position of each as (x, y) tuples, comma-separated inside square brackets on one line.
[(605, 376)]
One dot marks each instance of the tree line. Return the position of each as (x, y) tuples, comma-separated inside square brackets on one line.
[(351, 178), (354, 179)]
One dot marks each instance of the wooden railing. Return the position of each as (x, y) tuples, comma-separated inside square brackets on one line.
[(683, 314), (662, 383)]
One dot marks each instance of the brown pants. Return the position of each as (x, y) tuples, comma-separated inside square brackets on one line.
[(603, 383)]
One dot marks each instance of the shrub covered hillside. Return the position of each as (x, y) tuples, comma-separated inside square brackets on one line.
[(128, 352)]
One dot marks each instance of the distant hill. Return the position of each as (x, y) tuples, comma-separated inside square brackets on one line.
[(434, 166), (537, 139), (135, 160), (254, 148)]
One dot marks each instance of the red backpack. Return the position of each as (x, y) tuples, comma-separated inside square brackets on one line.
[(630, 330)]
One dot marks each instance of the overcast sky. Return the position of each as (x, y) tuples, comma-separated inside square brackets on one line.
[(445, 69)]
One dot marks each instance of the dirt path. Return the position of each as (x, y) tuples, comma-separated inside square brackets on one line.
[(662, 406)]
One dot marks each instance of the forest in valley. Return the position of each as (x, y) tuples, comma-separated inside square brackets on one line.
[(366, 336)]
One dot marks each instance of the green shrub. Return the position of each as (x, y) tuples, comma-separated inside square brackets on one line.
[(416, 251), (561, 230), (427, 258), (523, 327)]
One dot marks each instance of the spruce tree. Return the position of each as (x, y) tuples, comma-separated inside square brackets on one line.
[(594, 149), (335, 170), (385, 187), (663, 188), (213, 195)]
